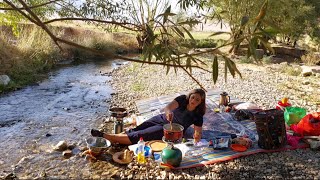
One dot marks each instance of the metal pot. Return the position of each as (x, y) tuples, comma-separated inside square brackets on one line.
[(118, 112), (97, 144), (174, 134)]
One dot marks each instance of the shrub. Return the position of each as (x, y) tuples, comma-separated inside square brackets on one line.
[(245, 60), (199, 43), (267, 59), (311, 58), (137, 86), (290, 70)]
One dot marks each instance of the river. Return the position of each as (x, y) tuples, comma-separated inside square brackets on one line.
[(65, 106)]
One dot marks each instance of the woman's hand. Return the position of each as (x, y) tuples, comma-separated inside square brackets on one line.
[(197, 134), (169, 108), (169, 115), (196, 140), (196, 137)]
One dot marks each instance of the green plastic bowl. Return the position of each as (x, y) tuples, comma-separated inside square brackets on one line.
[(293, 115)]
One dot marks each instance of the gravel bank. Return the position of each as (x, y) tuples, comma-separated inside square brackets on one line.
[(262, 85)]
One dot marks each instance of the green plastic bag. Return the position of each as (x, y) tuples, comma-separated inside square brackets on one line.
[(293, 115)]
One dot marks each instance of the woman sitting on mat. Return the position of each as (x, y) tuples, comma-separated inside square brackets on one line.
[(186, 109)]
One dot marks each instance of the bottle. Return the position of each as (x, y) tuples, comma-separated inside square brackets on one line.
[(222, 108), (141, 157), (134, 119)]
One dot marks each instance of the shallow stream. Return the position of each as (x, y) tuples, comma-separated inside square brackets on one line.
[(65, 106)]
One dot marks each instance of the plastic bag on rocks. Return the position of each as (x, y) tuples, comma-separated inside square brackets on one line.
[(292, 115), (309, 125)]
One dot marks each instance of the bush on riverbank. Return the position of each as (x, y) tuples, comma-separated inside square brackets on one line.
[(26, 57), (199, 43)]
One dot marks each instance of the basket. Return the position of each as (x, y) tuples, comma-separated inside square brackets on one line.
[(271, 129)]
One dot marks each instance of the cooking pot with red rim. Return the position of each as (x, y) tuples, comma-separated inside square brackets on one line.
[(173, 134)]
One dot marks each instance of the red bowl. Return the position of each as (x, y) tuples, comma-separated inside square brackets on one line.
[(238, 147)]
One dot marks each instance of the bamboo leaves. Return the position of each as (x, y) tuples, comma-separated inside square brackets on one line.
[(244, 21), (215, 69), (231, 66)]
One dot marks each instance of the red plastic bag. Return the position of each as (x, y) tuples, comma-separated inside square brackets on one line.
[(309, 125)]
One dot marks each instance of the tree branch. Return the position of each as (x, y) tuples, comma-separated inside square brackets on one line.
[(96, 20), (208, 50), (121, 57), (40, 23), (21, 12), (31, 7), (193, 78)]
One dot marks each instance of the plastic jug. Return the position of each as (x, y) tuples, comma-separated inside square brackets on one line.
[(141, 156)]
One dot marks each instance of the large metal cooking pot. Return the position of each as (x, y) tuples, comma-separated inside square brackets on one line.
[(118, 112), (173, 135)]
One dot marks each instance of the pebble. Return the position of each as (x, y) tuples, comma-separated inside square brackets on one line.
[(67, 153), (61, 146)]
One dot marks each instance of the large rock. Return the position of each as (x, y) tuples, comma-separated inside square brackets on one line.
[(306, 71), (290, 51), (4, 80), (315, 69), (243, 51), (309, 70), (259, 53)]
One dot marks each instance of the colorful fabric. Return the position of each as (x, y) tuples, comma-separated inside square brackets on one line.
[(214, 124)]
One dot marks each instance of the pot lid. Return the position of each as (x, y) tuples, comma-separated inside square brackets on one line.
[(224, 93), (156, 145)]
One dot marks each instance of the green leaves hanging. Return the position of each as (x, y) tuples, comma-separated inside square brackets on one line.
[(215, 69)]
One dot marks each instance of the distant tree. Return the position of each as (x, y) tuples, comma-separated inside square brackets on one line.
[(11, 17), (289, 18), (295, 18)]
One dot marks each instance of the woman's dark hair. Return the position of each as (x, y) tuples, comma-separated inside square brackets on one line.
[(201, 108)]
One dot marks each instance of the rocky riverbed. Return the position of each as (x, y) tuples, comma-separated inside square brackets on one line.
[(263, 85)]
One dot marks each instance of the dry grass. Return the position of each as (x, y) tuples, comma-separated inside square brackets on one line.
[(312, 58), (8, 54), (290, 70), (34, 51)]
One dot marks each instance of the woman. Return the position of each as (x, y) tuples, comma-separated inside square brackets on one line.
[(186, 110)]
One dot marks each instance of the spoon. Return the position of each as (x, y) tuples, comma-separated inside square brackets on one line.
[(170, 117)]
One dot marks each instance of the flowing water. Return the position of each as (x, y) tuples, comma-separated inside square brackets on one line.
[(65, 106)]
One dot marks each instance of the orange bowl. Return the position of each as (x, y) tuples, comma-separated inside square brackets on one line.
[(238, 147)]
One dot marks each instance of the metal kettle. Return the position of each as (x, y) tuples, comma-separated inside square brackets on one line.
[(224, 99), (171, 155)]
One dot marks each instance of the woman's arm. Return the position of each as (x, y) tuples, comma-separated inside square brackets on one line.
[(197, 133), (171, 106)]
